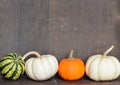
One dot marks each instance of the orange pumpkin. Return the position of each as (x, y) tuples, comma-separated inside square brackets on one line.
[(71, 68)]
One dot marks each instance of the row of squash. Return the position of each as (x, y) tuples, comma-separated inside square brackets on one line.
[(98, 67)]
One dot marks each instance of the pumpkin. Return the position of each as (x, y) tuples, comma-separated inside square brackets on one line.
[(41, 68), (102, 67), (71, 68), (12, 66)]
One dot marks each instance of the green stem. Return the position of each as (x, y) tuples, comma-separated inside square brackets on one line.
[(71, 55)]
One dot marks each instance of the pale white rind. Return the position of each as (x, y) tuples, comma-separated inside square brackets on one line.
[(41, 68), (102, 68)]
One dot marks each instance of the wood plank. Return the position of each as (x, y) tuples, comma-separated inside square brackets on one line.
[(86, 81), (23, 26), (57, 26), (26, 81), (87, 26)]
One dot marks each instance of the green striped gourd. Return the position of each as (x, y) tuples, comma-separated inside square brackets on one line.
[(12, 66)]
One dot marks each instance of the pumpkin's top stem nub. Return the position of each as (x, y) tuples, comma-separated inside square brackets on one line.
[(106, 52), (31, 53), (71, 55)]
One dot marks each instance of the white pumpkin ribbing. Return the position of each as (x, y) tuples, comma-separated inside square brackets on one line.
[(41, 68), (103, 67), (100, 68), (28, 68)]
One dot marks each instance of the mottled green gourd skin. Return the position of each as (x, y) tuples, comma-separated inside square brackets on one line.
[(12, 66)]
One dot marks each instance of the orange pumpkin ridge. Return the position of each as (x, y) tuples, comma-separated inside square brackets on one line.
[(71, 68)]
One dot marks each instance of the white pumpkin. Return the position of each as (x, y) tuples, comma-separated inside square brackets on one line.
[(103, 67), (41, 68)]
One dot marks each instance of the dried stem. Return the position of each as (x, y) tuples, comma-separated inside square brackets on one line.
[(71, 55), (30, 53), (110, 49)]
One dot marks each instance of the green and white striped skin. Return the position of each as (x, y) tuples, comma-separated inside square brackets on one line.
[(12, 66)]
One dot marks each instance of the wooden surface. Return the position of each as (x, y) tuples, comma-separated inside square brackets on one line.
[(57, 26), (87, 26), (56, 81)]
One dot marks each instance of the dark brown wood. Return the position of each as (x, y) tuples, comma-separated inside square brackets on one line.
[(86, 81), (57, 81), (24, 26), (88, 27), (56, 27), (26, 81)]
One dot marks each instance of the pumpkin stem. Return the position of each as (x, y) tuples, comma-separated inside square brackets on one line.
[(106, 52), (30, 53), (71, 55), (17, 59)]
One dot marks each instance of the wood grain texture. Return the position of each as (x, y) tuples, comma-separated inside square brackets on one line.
[(56, 27), (24, 26), (87, 26), (56, 81), (86, 81), (26, 81)]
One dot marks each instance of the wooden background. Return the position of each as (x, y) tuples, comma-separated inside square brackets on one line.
[(57, 26)]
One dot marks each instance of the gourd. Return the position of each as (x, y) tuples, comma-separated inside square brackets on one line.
[(41, 68), (12, 66), (71, 68), (102, 67)]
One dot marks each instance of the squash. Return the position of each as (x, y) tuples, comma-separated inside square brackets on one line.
[(41, 68), (12, 66), (71, 68), (102, 67)]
